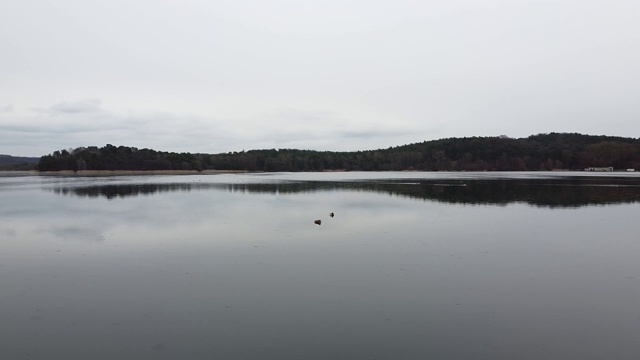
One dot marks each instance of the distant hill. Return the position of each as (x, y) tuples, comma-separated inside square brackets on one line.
[(537, 152), (8, 159), (8, 162)]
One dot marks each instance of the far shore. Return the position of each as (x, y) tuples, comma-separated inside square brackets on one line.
[(135, 172), (217, 172)]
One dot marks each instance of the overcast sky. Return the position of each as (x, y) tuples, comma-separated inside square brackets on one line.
[(216, 76)]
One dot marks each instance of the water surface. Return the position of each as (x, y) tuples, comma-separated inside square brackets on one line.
[(412, 266)]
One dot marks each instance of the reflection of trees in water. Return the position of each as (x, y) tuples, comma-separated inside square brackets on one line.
[(538, 193), (112, 191), (549, 193), (560, 192)]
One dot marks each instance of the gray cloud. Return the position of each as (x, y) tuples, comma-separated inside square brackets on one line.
[(84, 123), (321, 130), (86, 106), (222, 76), (6, 108)]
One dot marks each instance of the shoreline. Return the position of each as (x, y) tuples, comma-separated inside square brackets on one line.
[(90, 173), (134, 172)]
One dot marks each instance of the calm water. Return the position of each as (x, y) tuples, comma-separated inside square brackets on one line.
[(412, 266)]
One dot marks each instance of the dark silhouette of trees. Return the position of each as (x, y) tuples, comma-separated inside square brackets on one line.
[(538, 152)]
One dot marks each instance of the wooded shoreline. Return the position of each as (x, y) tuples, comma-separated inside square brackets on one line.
[(546, 152), (134, 172)]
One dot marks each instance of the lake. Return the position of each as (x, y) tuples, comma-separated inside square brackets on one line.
[(412, 266)]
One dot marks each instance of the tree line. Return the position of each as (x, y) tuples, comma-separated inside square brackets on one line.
[(569, 151)]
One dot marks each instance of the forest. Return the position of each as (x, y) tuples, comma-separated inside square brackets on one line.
[(553, 151)]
